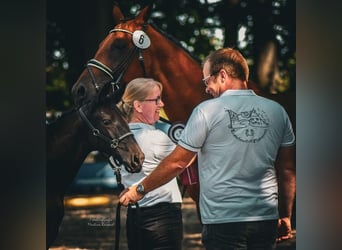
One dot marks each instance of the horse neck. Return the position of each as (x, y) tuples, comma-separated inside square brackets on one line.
[(180, 75), (66, 150)]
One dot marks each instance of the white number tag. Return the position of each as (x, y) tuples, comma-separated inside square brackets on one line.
[(141, 39)]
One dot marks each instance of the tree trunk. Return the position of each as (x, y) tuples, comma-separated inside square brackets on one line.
[(265, 70)]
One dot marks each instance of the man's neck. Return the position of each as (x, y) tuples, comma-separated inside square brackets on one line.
[(238, 84)]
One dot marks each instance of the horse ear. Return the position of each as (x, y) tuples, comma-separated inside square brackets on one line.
[(145, 14), (117, 14)]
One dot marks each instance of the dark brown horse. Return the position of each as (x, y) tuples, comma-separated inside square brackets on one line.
[(96, 125), (136, 48)]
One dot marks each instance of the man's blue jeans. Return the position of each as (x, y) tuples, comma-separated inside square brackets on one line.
[(255, 235)]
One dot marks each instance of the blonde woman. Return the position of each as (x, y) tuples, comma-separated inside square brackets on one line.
[(158, 221)]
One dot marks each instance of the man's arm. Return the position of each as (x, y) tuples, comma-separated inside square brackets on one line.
[(286, 173), (167, 169)]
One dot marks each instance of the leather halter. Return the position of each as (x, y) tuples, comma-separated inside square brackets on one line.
[(114, 143), (121, 69)]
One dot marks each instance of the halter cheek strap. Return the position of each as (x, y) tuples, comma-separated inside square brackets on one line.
[(140, 40), (97, 64)]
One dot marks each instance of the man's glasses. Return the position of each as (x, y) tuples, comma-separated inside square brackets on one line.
[(206, 79), (156, 100)]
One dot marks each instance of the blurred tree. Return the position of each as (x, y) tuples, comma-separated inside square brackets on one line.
[(57, 93), (74, 28), (263, 30)]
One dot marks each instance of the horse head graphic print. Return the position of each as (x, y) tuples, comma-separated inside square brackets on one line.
[(248, 126)]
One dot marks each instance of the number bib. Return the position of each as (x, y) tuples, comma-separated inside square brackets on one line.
[(141, 39)]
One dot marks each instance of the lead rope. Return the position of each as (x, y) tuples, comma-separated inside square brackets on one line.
[(121, 187)]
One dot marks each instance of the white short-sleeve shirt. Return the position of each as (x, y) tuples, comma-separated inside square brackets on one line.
[(237, 137)]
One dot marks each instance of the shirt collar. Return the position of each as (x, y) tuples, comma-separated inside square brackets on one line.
[(140, 125), (238, 92)]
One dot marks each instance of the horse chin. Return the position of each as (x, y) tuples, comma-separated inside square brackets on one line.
[(132, 167)]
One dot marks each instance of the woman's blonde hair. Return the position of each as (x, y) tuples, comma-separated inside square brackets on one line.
[(136, 90)]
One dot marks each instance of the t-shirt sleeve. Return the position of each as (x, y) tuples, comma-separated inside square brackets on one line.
[(195, 131), (288, 135)]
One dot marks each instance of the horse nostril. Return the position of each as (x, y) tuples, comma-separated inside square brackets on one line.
[(138, 160), (80, 91)]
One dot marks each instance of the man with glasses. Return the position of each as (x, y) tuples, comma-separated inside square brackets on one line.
[(245, 149)]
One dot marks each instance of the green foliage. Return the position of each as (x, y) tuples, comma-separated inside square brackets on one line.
[(57, 91)]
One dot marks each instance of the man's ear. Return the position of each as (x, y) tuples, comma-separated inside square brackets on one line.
[(223, 75)]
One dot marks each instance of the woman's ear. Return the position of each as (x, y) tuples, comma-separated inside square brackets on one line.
[(137, 106)]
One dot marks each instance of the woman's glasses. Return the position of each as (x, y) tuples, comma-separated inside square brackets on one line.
[(156, 100)]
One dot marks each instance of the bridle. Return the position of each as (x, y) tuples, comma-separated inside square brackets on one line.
[(140, 40), (114, 143)]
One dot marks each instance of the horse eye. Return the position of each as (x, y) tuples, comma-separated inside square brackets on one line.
[(107, 121)]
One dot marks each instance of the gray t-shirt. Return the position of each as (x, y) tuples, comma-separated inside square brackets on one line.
[(237, 137)]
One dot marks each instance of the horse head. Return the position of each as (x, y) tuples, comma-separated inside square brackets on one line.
[(110, 132), (136, 48), (113, 58)]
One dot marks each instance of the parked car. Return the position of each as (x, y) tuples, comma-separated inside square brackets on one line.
[(94, 178)]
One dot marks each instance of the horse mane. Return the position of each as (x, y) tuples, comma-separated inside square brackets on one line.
[(175, 41)]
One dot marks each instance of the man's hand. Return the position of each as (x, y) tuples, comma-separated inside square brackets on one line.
[(284, 229), (130, 196)]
